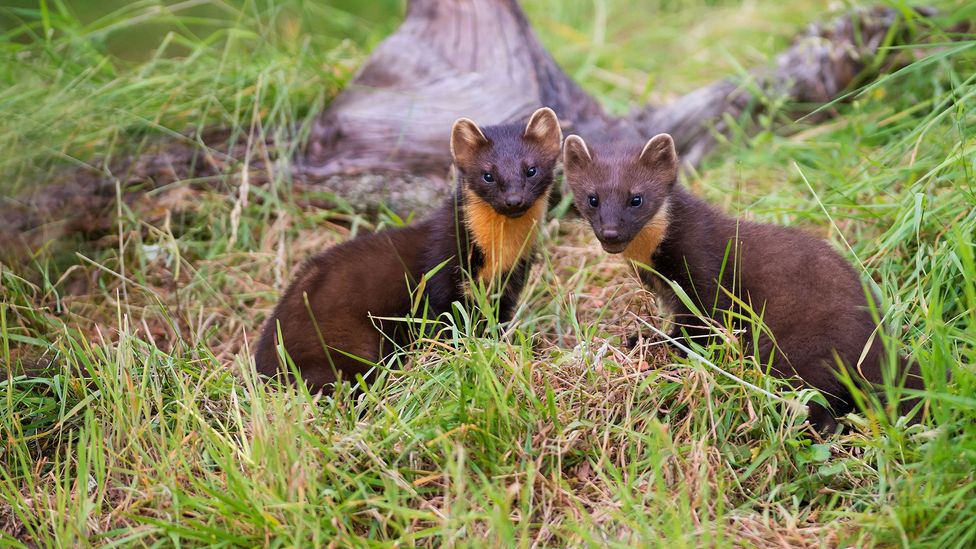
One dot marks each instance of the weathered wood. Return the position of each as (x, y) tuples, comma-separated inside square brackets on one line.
[(473, 58), (441, 64), (822, 64)]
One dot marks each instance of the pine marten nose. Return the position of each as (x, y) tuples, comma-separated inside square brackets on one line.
[(514, 201), (611, 234)]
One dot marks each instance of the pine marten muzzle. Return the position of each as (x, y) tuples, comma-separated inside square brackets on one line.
[(330, 321), (810, 299)]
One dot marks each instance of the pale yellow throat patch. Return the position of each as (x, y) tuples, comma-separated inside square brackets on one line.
[(649, 238), (502, 240)]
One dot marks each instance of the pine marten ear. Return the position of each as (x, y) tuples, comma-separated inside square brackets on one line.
[(543, 128), (467, 141), (660, 156), (576, 156)]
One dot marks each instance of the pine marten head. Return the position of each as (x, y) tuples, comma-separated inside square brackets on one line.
[(623, 191), (510, 166)]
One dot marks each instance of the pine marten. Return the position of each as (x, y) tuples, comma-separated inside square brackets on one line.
[(808, 296), (329, 318)]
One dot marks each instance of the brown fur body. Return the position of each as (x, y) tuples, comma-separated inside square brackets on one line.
[(371, 275), (483, 233), (810, 299)]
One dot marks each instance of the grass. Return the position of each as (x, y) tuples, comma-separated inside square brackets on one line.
[(149, 427)]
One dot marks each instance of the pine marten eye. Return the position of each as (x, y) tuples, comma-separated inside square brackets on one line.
[(636, 201), (530, 172), (594, 201), (488, 177)]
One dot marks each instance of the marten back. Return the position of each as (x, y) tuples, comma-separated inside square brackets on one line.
[(810, 298), (372, 275)]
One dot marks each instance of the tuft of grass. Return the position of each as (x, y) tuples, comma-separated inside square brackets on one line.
[(130, 413)]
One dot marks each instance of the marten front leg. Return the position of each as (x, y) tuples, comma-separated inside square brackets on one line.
[(666, 301), (514, 284), (440, 291)]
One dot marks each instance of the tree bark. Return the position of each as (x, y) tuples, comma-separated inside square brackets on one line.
[(396, 114), (473, 58)]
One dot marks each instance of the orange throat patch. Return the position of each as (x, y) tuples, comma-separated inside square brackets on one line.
[(502, 240), (643, 246)]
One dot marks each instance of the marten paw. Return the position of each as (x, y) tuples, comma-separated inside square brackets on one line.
[(822, 420), (630, 342)]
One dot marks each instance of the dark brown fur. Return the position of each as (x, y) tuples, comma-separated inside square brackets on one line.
[(484, 233), (810, 298)]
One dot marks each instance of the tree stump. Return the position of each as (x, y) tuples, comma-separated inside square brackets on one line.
[(395, 116)]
